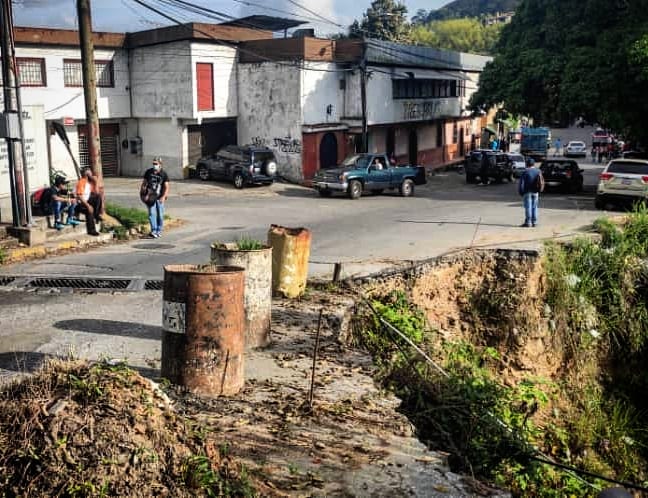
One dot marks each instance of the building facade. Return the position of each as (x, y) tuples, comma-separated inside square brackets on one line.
[(183, 92)]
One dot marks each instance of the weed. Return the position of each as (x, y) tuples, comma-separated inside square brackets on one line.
[(128, 217), (249, 244), (3, 255)]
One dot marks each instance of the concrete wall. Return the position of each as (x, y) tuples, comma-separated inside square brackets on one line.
[(162, 81), (320, 89), (36, 150), (59, 100), (223, 60), (270, 112)]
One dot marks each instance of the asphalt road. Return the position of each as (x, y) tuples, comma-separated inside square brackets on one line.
[(366, 234)]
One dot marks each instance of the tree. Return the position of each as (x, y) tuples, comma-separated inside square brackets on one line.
[(464, 35), (383, 20), (561, 59)]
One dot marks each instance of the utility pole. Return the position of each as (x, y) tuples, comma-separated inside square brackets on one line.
[(90, 91), (363, 97), (11, 118)]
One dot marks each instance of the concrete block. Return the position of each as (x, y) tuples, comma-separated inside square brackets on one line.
[(30, 236)]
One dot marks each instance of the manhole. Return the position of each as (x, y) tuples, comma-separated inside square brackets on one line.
[(153, 246), (154, 285), (80, 283), (6, 280)]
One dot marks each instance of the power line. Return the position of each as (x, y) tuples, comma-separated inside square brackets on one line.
[(266, 59)]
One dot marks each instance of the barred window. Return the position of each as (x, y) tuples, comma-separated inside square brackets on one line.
[(73, 73), (427, 88), (31, 72)]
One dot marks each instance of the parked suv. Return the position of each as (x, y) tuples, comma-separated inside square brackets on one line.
[(499, 166), (241, 165), (622, 181)]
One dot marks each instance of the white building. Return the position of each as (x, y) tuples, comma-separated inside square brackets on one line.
[(182, 92)]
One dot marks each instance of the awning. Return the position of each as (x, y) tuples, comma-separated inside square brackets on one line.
[(490, 130)]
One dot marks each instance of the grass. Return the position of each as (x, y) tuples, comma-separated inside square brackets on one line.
[(249, 244), (128, 217)]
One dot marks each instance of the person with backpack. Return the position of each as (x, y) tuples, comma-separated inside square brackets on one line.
[(154, 192), (530, 186)]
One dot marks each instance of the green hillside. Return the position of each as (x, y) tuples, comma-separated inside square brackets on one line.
[(470, 8)]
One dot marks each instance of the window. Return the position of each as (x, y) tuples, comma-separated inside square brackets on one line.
[(73, 73), (455, 133), (411, 88), (31, 72), (205, 86)]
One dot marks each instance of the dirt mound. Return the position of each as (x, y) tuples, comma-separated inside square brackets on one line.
[(76, 429)]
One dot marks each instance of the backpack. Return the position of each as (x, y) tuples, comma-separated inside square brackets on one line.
[(538, 184), (46, 200)]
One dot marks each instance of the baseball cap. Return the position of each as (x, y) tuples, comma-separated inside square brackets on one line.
[(59, 180)]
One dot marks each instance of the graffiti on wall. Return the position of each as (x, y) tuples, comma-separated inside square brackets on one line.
[(287, 145), (422, 110)]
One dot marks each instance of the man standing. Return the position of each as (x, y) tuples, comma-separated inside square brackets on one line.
[(530, 186), (557, 145), (154, 192)]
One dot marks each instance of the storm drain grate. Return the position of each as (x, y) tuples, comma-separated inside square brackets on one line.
[(80, 283), (154, 285), (6, 280)]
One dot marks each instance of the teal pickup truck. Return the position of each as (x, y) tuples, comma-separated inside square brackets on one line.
[(360, 173)]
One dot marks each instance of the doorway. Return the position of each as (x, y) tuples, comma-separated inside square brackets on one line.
[(328, 151), (413, 147)]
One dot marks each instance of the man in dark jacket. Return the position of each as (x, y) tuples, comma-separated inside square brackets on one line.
[(530, 186)]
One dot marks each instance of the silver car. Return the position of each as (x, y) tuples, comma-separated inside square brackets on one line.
[(517, 162), (575, 149), (623, 181)]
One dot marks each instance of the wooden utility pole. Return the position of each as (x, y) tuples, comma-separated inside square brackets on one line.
[(90, 91), (363, 97), (11, 117)]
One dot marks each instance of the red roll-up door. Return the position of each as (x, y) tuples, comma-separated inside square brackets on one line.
[(205, 86)]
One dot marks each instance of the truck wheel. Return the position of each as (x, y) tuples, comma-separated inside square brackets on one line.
[(355, 189), (203, 173), (407, 188), (238, 180), (324, 192)]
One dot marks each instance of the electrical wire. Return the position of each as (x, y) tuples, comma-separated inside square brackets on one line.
[(232, 45)]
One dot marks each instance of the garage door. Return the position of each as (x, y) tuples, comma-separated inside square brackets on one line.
[(109, 138), (208, 138)]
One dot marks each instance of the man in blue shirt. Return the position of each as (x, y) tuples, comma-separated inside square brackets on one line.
[(530, 186)]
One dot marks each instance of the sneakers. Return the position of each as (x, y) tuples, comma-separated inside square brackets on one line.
[(58, 225), (72, 221), (153, 235), (525, 225), (94, 234)]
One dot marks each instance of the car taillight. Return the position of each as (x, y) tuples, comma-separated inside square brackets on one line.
[(644, 179), (606, 176), (568, 174)]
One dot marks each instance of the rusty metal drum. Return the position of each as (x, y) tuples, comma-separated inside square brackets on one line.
[(258, 288), (290, 253), (203, 328)]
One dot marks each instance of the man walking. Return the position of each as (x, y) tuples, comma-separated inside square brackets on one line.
[(154, 192), (557, 145), (530, 186)]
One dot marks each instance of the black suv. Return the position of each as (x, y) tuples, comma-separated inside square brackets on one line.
[(241, 165), (499, 166)]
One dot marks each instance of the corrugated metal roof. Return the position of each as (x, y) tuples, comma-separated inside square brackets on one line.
[(384, 52)]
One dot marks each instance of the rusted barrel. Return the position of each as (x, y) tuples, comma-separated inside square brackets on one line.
[(203, 328), (258, 287), (290, 253)]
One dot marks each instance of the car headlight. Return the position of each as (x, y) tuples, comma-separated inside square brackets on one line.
[(342, 177)]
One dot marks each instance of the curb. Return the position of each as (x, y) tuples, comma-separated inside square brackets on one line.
[(21, 254)]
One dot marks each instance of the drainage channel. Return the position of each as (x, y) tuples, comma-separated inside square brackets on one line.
[(97, 284)]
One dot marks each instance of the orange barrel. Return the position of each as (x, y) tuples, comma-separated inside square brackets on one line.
[(203, 328), (258, 287), (290, 253)]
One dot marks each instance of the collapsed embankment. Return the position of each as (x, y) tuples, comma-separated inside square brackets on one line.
[(530, 357)]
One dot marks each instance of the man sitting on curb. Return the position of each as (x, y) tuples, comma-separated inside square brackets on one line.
[(61, 201), (89, 201)]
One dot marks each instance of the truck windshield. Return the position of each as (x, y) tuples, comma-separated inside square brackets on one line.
[(357, 161)]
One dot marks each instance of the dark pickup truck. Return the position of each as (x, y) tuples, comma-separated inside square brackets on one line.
[(360, 173)]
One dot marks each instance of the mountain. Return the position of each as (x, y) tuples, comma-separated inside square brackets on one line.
[(470, 8)]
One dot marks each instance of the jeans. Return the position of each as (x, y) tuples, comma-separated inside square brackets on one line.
[(58, 207), (156, 217), (530, 201)]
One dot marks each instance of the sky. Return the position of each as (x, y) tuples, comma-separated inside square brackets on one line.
[(127, 15)]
